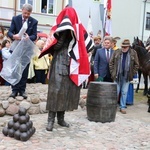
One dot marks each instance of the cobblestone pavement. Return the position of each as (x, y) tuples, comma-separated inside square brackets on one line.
[(129, 131)]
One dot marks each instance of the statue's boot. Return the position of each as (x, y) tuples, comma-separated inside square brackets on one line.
[(60, 118), (51, 120), (149, 105), (149, 109)]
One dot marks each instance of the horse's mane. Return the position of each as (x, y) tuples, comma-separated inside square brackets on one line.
[(138, 42), (143, 55), (141, 50)]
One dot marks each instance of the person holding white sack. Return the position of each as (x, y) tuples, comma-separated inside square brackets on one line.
[(17, 31)]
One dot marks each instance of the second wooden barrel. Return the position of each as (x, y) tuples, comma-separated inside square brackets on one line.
[(102, 101)]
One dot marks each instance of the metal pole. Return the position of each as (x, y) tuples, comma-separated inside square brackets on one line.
[(70, 3), (63, 4), (143, 19), (101, 7)]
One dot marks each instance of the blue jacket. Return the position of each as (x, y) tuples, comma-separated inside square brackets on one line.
[(101, 65), (16, 25)]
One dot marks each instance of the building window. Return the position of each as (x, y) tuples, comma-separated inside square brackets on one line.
[(26, 1), (148, 21), (47, 6), (50, 10)]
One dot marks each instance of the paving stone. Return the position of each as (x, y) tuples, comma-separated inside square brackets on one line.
[(128, 132)]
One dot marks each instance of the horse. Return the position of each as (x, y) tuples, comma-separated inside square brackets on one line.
[(140, 43), (144, 62)]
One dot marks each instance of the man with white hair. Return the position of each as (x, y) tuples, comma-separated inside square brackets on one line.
[(31, 33)]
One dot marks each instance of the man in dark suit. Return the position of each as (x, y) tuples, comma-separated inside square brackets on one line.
[(101, 61), (31, 33)]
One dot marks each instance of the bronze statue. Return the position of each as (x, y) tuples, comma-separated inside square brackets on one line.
[(66, 48)]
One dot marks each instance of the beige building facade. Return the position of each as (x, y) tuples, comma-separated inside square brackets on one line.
[(130, 18), (10, 8)]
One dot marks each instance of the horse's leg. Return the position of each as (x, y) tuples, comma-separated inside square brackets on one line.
[(139, 75), (148, 95), (145, 83)]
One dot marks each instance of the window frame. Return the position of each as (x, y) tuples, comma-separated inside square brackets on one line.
[(147, 24), (54, 7), (26, 1)]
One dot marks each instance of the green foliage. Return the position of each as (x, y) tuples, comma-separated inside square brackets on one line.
[(138, 97)]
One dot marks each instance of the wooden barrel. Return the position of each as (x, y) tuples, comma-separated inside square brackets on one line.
[(102, 101)]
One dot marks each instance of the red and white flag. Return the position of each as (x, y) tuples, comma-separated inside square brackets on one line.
[(107, 17), (78, 47)]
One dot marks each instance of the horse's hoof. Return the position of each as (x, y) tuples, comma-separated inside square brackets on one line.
[(145, 93), (136, 91)]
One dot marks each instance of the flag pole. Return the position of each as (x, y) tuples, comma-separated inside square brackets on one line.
[(89, 26)]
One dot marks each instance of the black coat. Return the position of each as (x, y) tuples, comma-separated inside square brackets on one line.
[(16, 25), (63, 94)]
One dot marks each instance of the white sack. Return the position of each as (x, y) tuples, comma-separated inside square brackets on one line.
[(13, 67)]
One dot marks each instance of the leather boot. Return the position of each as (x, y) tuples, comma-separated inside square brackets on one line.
[(60, 118), (149, 105), (51, 120), (23, 94), (13, 94), (149, 109)]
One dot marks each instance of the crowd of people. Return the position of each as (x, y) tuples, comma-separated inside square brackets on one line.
[(38, 69), (5, 43), (108, 63), (113, 64)]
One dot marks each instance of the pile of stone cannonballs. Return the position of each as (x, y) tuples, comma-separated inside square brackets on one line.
[(20, 127)]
